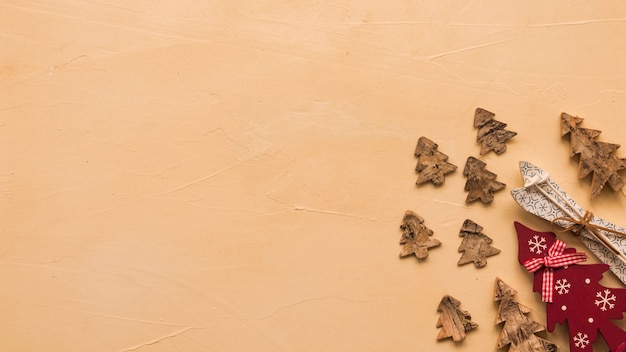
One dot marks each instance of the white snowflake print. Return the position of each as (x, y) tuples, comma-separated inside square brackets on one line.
[(581, 340), (537, 244), (606, 300), (562, 286)]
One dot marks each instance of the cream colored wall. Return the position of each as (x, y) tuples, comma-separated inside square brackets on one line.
[(231, 176)]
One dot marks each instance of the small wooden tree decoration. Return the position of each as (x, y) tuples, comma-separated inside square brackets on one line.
[(453, 321), (595, 157), (481, 183), (416, 238), (491, 132), (432, 164), (518, 330), (476, 246)]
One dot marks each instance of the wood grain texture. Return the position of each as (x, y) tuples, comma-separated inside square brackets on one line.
[(475, 246), (491, 134), (432, 165), (481, 183), (595, 157), (518, 330), (453, 321), (416, 237)]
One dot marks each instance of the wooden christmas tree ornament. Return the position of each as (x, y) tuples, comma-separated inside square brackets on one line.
[(432, 164), (595, 157), (476, 246), (518, 330), (453, 321), (416, 238), (481, 183), (491, 132)]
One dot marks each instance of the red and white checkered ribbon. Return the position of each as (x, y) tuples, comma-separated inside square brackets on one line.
[(554, 259)]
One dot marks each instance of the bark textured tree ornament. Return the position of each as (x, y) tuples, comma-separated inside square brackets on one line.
[(416, 238), (476, 246), (518, 330), (595, 157), (432, 164), (491, 132), (453, 321), (481, 183), (572, 291)]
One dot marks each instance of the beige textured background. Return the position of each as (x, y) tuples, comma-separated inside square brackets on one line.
[(231, 175)]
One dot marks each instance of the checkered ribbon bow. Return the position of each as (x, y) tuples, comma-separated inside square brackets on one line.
[(555, 258)]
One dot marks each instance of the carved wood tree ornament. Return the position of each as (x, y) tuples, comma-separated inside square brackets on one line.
[(595, 157), (476, 246), (416, 238), (491, 133), (518, 330), (480, 183), (432, 164), (453, 321)]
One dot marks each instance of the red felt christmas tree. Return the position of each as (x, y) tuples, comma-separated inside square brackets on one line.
[(572, 291)]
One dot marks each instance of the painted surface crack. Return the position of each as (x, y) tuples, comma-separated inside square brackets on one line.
[(322, 211), (159, 339)]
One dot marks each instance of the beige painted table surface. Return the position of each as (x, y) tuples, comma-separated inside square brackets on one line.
[(231, 176)]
